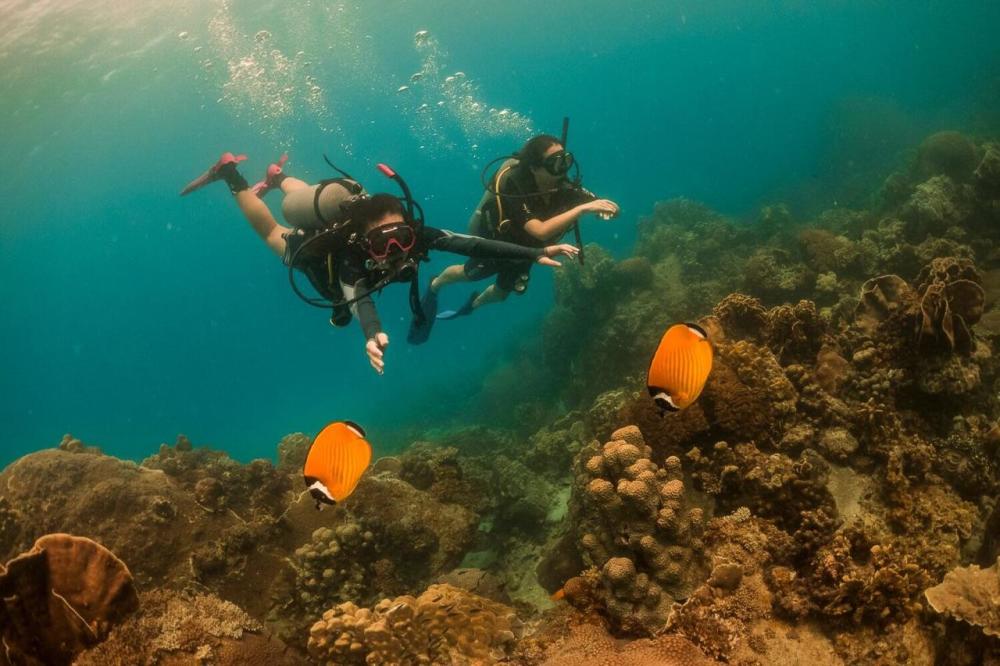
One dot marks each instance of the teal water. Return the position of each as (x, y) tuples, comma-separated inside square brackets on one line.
[(130, 315)]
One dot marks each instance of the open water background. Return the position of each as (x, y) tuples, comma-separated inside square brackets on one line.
[(130, 315)]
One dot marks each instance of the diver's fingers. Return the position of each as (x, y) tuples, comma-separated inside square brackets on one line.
[(382, 340), (548, 261), (376, 362)]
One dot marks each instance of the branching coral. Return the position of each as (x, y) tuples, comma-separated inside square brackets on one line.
[(444, 625)]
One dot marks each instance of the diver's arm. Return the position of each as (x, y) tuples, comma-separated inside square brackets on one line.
[(363, 308), (556, 226), (480, 248)]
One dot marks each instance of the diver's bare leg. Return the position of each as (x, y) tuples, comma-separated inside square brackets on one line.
[(492, 294), (450, 275), (260, 218), (290, 184)]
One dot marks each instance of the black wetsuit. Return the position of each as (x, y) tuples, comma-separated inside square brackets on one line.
[(356, 279), (517, 210)]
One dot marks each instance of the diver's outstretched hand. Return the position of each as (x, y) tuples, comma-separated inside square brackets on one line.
[(606, 208), (375, 348), (563, 249)]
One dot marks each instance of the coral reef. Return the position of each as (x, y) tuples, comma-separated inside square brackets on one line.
[(843, 456), (590, 645), (223, 484), (181, 628), (137, 513), (444, 625), (637, 528), (61, 597), (972, 595)]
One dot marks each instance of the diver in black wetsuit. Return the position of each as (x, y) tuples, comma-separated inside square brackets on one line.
[(375, 241), (530, 201)]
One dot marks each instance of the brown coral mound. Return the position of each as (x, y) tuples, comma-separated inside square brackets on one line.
[(637, 527), (61, 597), (972, 595), (176, 629), (139, 514), (590, 645), (444, 625), (256, 489), (946, 153)]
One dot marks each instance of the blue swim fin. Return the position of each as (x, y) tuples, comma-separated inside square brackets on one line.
[(462, 311), (419, 334)]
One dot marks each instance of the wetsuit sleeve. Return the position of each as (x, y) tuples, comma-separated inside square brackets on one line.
[(363, 308), (579, 196), (480, 248), (353, 282)]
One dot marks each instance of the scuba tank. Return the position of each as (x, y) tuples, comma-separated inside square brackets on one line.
[(322, 205), (479, 225)]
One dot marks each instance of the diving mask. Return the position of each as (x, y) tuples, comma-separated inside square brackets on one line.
[(391, 239), (558, 163)]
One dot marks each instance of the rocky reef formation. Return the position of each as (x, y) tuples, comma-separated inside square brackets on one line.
[(186, 628), (833, 496), (444, 625)]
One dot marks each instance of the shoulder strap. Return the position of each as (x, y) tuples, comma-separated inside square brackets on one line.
[(496, 188)]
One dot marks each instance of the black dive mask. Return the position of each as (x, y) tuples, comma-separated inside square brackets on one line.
[(558, 163)]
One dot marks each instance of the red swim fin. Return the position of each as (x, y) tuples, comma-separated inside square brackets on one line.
[(212, 174)]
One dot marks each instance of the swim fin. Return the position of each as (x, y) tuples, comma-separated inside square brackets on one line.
[(419, 334), (270, 177), (213, 174), (466, 309)]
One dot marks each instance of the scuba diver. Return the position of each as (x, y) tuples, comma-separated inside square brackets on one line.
[(350, 244), (531, 201)]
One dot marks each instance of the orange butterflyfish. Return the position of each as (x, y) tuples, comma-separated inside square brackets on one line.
[(335, 462), (680, 367)]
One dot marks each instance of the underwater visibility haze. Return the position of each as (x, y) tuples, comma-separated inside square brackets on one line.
[(757, 424)]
